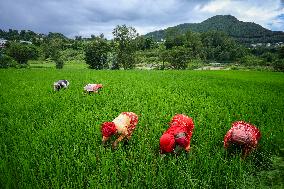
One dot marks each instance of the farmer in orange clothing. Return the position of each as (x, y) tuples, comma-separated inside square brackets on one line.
[(122, 126), (244, 135), (179, 134)]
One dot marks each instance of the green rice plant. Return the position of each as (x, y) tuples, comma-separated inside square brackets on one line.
[(52, 139)]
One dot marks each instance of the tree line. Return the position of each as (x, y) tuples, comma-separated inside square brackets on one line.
[(128, 50)]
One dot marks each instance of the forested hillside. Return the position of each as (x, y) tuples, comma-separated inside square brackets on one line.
[(244, 32)]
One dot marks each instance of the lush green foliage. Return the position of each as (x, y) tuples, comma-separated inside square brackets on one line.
[(72, 55), (244, 32), (125, 48), (278, 65), (96, 54), (145, 43), (180, 47), (208, 46), (21, 52), (52, 49), (53, 140), (178, 57), (7, 61)]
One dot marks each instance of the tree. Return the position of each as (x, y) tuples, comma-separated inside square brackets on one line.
[(178, 57), (163, 55), (281, 52), (145, 43), (194, 44), (251, 60), (125, 38), (52, 48), (20, 52), (6, 61), (219, 46), (96, 53), (278, 65), (268, 58), (173, 38)]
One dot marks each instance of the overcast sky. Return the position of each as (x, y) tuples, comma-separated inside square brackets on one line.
[(86, 17)]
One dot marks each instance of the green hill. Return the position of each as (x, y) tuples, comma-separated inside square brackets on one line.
[(244, 32)]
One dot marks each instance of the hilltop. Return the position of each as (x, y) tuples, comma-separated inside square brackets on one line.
[(244, 32)]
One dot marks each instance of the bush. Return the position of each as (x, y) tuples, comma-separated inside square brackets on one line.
[(7, 61), (22, 65), (21, 52), (96, 54), (278, 65), (234, 68), (177, 57), (59, 63), (251, 60), (71, 54), (195, 64)]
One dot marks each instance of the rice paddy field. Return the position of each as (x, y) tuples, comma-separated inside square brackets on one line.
[(52, 139)]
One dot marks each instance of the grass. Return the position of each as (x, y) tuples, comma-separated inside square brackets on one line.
[(51, 64), (53, 140)]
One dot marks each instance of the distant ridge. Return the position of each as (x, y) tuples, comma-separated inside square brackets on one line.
[(244, 32)]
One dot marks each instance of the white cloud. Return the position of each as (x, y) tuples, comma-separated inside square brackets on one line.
[(261, 12), (214, 6)]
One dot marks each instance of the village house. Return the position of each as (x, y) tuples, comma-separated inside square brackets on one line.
[(3, 43)]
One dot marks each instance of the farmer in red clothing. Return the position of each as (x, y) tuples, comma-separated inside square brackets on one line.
[(244, 135), (123, 126), (179, 133)]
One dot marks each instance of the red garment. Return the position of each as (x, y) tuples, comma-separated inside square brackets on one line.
[(97, 87), (180, 132), (244, 134), (167, 143), (133, 121), (108, 129), (93, 87)]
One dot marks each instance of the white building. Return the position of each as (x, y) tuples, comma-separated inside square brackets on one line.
[(2, 43)]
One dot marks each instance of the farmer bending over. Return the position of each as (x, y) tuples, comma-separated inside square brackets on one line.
[(243, 135), (178, 134), (93, 88), (122, 126)]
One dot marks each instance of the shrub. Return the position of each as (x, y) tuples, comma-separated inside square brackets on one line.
[(71, 54), (234, 68), (194, 64), (251, 60), (177, 57), (59, 63), (21, 52), (278, 65), (7, 61)]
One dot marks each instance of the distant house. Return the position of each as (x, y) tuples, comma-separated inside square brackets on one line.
[(279, 44), (26, 42), (3, 43), (215, 64)]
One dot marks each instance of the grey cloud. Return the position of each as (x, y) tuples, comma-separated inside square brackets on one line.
[(86, 17)]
